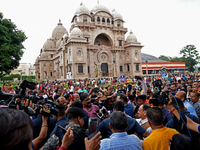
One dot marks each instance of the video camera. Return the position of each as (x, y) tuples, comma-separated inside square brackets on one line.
[(159, 98), (10, 99), (50, 104)]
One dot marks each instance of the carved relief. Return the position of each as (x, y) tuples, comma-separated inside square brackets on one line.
[(127, 55), (136, 55), (79, 54)]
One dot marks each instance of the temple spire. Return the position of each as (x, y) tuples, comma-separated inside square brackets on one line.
[(97, 1)]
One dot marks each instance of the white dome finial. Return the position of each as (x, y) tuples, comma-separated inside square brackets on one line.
[(81, 3), (131, 32), (113, 10), (97, 1)]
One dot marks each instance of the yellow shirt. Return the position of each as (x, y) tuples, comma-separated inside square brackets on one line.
[(158, 139)]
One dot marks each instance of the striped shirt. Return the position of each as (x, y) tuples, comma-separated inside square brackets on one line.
[(121, 141)]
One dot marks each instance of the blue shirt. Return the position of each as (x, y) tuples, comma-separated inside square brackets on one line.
[(133, 126), (58, 131), (190, 108), (81, 91), (128, 108), (196, 107), (167, 116), (121, 141)]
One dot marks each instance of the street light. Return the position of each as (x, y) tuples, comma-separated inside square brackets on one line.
[(146, 68), (114, 68)]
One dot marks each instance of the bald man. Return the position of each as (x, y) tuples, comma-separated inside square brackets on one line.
[(182, 96)]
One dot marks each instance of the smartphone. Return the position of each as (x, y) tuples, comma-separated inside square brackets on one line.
[(93, 124), (63, 129)]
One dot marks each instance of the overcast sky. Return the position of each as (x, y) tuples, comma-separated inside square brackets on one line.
[(164, 27)]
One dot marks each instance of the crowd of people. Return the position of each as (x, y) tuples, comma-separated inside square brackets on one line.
[(143, 113)]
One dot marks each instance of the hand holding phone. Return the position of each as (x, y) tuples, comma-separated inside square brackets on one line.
[(93, 125)]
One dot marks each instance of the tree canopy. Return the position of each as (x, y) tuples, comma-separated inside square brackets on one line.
[(189, 56), (11, 46)]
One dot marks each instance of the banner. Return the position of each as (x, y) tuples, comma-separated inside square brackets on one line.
[(122, 78)]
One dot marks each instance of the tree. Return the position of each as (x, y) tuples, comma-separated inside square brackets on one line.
[(166, 58), (11, 46), (190, 55)]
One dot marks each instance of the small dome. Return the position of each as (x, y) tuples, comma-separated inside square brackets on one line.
[(82, 9), (116, 15), (59, 31), (58, 43), (43, 55), (99, 8), (131, 38), (49, 45), (76, 33)]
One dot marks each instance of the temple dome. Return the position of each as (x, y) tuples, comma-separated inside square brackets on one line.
[(100, 8), (131, 38), (59, 31), (116, 15), (82, 9), (49, 45), (76, 33)]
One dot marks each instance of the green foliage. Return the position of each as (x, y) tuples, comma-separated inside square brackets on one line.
[(11, 46), (10, 77), (29, 78), (18, 76), (166, 58), (190, 56)]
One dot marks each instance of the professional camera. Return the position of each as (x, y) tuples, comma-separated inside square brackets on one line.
[(159, 99), (122, 91), (10, 99), (50, 104), (157, 83), (138, 78)]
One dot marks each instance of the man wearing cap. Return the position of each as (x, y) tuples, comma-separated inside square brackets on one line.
[(76, 122)]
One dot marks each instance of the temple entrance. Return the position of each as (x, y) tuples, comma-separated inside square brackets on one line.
[(104, 69)]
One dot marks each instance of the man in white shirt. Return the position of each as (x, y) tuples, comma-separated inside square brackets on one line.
[(143, 121)]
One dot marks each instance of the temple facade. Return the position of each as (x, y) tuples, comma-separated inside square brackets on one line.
[(95, 47)]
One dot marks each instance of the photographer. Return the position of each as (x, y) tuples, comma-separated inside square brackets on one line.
[(61, 121)]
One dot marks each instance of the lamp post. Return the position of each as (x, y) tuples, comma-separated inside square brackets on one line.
[(146, 68), (114, 68)]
